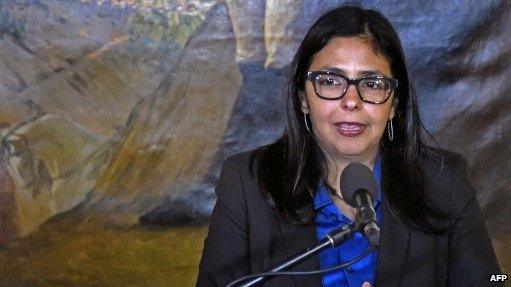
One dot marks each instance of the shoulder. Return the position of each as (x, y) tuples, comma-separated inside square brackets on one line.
[(242, 162), (236, 178), (238, 192), (438, 162), (239, 158), (447, 184)]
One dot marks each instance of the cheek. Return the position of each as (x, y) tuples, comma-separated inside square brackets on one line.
[(309, 91), (319, 108), (321, 111), (379, 115)]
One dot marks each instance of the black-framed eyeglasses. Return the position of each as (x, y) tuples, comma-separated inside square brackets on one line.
[(333, 86)]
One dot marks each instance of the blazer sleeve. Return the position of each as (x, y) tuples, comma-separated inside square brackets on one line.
[(225, 254), (471, 258)]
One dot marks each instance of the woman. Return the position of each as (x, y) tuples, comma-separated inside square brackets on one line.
[(348, 99)]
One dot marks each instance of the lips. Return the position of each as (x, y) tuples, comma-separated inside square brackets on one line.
[(350, 129)]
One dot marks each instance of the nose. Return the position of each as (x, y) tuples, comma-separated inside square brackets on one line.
[(351, 100)]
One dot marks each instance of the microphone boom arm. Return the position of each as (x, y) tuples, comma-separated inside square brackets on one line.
[(334, 238)]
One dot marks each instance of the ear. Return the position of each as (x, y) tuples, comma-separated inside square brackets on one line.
[(303, 101)]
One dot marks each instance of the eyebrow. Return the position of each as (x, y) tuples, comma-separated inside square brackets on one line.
[(364, 73)]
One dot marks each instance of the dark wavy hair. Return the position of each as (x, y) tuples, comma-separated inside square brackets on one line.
[(289, 169)]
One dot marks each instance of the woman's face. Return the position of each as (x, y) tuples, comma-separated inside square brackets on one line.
[(348, 129)]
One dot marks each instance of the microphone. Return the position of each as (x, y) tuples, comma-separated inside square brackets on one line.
[(358, 189)]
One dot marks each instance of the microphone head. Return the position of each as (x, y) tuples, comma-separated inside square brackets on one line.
[(355, 177)]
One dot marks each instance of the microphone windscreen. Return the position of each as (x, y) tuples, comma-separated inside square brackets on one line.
[(354, 177)]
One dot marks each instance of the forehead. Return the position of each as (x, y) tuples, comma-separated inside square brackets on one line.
[(351, 55)]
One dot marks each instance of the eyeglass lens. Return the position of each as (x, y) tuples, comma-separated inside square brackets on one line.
[(370, 89)]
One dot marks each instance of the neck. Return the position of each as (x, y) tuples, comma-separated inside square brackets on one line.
[(336, 166)]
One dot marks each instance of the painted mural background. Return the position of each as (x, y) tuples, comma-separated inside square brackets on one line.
[(116, 115)]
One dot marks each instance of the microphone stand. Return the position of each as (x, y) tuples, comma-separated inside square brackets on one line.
[(334, 238)]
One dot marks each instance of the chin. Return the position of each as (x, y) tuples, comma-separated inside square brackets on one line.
[(352, 155), (355, 153)]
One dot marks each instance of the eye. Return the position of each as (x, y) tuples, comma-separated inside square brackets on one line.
[(375, 84), (329, 80)]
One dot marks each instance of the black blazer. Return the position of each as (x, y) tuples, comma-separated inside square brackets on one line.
[(246, 235)]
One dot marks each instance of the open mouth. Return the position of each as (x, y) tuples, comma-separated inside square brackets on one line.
[(349, 129)]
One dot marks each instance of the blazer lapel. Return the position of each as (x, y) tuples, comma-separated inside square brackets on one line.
[(394, 242), (303, 237)]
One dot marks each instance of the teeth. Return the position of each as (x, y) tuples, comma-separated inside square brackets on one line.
[(350, 127)]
